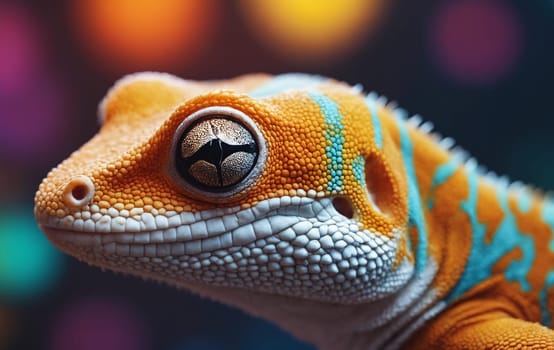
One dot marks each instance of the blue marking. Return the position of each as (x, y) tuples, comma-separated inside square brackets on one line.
[(415, 209), (283, 82), (442, 174), (377, 131), (483, 256), (508, 236), (548, 218), (546, 315), (472, 274), (524, 201), (334, 133), (358, 170)]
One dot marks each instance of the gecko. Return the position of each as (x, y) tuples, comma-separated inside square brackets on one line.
[(305, 201)]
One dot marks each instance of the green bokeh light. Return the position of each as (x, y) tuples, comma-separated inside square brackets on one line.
[(29, 264)]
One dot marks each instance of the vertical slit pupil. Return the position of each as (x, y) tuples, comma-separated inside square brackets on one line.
[(225, 152)]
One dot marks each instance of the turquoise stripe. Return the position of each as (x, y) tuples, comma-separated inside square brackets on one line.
[(546, 315), (358, 169), (283, 82), (377, 131), (483, 256), (415, 209), (442, 174), (334, 133)]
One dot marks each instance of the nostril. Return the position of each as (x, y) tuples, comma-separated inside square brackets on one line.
[(343, 206), (78, 192)]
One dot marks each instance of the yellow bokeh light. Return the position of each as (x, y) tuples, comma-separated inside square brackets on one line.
[(145, 34), (311, 30)]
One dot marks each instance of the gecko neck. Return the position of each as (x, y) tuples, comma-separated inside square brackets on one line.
[(476, 226), (331, 326), (447, 192)]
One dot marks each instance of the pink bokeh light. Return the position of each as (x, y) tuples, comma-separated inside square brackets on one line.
[(21, 54), (476, 41), (34, 121), (33, 100), (93, 324)]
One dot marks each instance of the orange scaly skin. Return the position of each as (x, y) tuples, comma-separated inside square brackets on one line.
[(340, 220)]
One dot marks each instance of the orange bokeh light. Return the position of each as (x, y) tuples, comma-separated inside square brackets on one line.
[(145, 34), (313, 30)]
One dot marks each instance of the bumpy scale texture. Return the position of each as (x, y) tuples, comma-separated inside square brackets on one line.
[(343, 221)]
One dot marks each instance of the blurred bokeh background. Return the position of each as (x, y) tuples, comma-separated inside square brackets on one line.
[(481, 70)]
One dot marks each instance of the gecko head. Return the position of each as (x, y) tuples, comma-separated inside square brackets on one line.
[(195, 185)]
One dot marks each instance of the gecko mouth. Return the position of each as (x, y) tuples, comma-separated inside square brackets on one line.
[(284, 218), (291, 245)]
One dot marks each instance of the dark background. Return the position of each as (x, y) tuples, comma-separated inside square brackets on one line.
[(481, 70)]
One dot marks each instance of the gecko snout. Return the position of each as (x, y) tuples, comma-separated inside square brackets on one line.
[(78, 192)]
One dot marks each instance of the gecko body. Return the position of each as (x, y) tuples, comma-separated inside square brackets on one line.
[(304, 201)]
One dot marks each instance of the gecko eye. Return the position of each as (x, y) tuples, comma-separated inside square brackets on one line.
[(218, 151)]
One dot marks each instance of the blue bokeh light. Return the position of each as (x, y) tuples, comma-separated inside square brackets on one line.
[(29, 264)]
